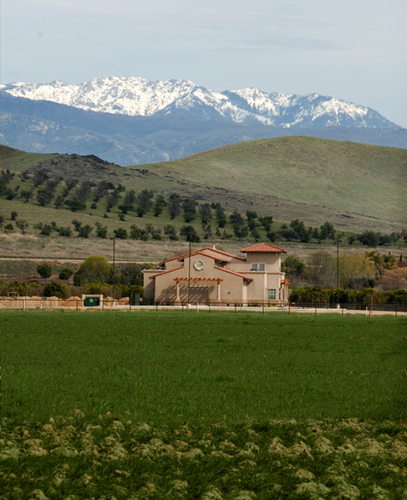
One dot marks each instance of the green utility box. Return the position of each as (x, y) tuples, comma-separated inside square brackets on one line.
[(135, 299), (91, 301)]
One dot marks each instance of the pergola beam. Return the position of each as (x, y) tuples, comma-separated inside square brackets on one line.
[(218, 280)]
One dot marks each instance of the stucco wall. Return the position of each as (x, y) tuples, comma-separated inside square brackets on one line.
[(230, 286), (233, 288), (272, 261)]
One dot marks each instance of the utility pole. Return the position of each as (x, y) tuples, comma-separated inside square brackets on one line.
[(337, 264), (337, 273), (189, 271), (114, 269)]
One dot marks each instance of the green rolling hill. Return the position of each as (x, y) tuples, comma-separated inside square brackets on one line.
[(354, 186), (368, 180)]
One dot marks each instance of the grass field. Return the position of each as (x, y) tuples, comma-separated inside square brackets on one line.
[(212, 366), (209, 406)]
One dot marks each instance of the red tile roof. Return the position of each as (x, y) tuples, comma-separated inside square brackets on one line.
[(222, 252), (263, 247), (179, 257), (165, 272), (233, 272), (215, 267), (212, 256), (195, 252)]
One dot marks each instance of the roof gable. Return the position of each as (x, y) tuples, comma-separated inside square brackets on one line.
[(204, 251), (234, 273), (214, 257), (262, 248), (222, 253), (165, 272)]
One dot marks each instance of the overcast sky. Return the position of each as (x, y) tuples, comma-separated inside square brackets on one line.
[(352, 49)]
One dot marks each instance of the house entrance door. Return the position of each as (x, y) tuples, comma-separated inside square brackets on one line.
[(198, 295)]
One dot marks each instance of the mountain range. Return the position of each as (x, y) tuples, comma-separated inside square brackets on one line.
[(139, 97), (133, 120)]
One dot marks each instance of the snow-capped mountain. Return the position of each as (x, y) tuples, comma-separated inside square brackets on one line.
[(139, 97)]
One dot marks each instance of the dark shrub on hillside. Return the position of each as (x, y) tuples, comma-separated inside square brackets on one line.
[(190, 234), (44, 270), (56, 290), (46, 230), (65, 274), (120, 233)]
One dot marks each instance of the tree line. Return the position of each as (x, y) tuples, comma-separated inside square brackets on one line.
[(215, 223), (94, 275), (351, 271), (315, 295), (358, 275)]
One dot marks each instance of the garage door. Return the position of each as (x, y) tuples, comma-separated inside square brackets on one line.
[(198, 295)]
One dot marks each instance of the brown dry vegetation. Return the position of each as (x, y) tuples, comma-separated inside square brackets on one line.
[(18, 246)]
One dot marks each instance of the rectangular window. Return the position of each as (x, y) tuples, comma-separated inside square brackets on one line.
[(258, 266), (272, 293)]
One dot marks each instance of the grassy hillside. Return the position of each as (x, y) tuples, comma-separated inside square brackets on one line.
[(58, 165), (34, 245), (354, 186), (369, 180)]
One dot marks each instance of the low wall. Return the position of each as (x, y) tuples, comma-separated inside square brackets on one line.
[(50, 303), (76, 303)]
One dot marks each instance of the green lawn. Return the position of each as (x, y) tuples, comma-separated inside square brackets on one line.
[(170, 366), (209, 406)]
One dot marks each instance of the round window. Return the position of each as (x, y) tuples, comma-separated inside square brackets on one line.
[(199, 265)]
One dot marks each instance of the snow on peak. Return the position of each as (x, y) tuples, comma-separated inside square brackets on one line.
[(136, 96)]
